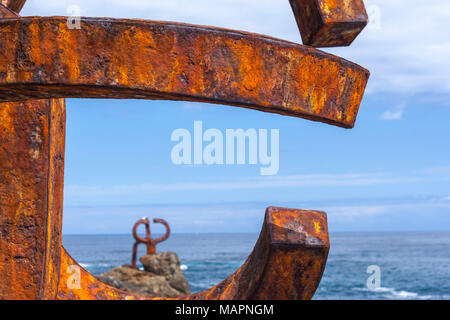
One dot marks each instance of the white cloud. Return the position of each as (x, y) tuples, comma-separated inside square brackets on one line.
[(406, 47), (408, 214), (355, 211), (394, 114), (351, 212), (182, 218), (192, 106), (255, 183), (443, 171)]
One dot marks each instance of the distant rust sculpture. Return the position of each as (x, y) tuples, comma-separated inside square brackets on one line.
[(43, 61), (148, 240)]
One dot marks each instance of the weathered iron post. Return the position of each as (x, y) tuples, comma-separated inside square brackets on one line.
[(32, 147), (43, 61)]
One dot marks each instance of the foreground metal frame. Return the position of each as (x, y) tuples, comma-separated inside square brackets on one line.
[(287, 262), (42, 62), (127, 59)]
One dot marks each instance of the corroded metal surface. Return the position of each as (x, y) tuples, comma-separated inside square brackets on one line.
[(14, 5), (75, 283), (287, 262), (32, 145), (6, 13), (31, 194), (329, 23), (109, 58), (148, 240)]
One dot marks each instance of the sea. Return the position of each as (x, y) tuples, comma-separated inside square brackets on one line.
[(409, 265)]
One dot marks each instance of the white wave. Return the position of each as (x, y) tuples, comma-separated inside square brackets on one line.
[(394, 294), (184, 267), (405, 294), (89, 265)]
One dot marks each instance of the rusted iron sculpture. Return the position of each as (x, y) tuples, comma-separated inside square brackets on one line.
[(329, 23), (148, 240), (42, 61), (13, 5), (287, 262)]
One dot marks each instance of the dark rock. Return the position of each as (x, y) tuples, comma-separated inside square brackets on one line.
[(161, 277)]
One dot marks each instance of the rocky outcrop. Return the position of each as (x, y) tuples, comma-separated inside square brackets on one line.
[(161, 277)]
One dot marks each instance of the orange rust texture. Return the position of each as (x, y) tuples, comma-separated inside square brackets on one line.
[(329, 23), (287, 263), (77, 284), (298, 255), (31, 184), (110, 58), (14, 5), (6, 13)]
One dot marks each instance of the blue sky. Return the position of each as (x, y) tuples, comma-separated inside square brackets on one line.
[(391, 172)]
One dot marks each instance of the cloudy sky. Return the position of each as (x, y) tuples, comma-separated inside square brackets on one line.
[(391, 172)]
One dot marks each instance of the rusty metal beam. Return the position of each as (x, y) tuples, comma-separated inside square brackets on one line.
[(32, 145), (14, 5), (287, 262), (31, 194), (322, 23), (109, 58), (329, 23), (41, 58), (6, 12)]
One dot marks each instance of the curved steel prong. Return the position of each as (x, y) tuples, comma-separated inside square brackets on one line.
[(329, 23), (138, 59), (166, 235), (149, 60), (287, 262), (14, 5), (147, 230)]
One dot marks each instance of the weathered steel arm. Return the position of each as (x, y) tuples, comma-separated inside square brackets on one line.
[(287, 262), (110, 58), (329, 23), (13, 5), (166, 234), (7, 13), (32, 137), (31, 197), (322, 23)]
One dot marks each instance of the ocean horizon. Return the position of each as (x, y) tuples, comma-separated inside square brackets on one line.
[(414, 265)]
